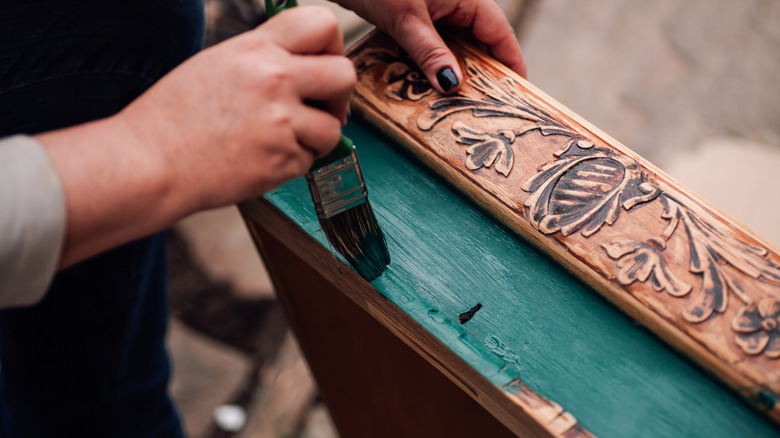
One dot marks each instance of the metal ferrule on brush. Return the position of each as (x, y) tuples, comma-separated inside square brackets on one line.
[(337, 187)]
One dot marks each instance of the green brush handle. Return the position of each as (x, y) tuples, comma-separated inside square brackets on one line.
[(272, 9), (343, 149)]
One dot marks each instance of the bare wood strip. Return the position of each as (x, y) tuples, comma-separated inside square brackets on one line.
[(701, 281)]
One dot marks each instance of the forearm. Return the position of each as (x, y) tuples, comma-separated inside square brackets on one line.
[(116, 188), (196, 140)]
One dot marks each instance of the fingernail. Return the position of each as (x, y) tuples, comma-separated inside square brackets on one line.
[(447, 79)]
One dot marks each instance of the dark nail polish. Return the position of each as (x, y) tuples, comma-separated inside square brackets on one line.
[(447, 78)]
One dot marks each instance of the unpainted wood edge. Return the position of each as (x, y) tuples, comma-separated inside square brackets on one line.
[(506, 407)]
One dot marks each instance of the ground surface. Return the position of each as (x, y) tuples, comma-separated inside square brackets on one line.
[(692, 86)]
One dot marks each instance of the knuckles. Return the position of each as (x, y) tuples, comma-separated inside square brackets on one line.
[(319, 16), (279, 115), (275, 77), (429, 57), (403, 19), (345, 75), (462, 16), (268, 81)]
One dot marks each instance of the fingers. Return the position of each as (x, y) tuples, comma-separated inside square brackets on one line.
[(304, 30), (327, 80), (321, 73), (415, 32), (420, 39), (311, 134), (491, 27), (316, 131)]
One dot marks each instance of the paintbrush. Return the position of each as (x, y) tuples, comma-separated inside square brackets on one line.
[(341, 201), (344, 212)]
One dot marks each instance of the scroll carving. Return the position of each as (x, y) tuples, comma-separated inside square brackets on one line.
[(585, 186)]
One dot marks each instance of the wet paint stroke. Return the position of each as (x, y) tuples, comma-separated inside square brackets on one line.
[(537, 324)]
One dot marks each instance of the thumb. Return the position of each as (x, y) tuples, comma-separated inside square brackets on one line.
[(421, 40)]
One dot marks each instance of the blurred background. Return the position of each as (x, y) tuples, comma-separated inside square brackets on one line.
[(693, 86)]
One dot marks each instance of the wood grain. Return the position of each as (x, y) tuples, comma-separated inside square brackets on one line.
[(367, 376), (698, 279), (538, 325), (302, 268)]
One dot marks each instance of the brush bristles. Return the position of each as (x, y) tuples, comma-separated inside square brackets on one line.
[(356, 235)]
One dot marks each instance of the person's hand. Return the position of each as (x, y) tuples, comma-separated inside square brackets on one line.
[(411, 24), (231, 123), (255, 111)]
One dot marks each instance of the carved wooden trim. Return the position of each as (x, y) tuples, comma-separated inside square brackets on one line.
[(701, 281)]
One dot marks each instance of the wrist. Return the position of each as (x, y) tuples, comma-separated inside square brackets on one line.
[(154, 149), (115, 189)]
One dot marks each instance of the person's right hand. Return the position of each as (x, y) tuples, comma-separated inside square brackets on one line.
[(231, 123), (241, 118)]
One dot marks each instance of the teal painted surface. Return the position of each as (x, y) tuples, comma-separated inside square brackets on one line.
[(537, 322)]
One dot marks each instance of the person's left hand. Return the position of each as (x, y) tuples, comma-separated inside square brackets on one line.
[(411, 24)]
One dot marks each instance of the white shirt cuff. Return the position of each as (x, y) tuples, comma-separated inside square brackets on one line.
[(32, 221)]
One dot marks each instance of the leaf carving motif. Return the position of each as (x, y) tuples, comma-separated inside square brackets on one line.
[(585, 187), (640, 261), (498, 98), (710, 247), (485, 149)]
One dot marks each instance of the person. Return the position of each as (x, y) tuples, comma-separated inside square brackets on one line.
[(119, 143)]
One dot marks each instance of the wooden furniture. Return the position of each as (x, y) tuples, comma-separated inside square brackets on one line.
[(531, 342)]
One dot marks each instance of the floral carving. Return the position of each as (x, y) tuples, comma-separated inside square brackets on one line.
[(486, 149), (406, 84), (405, 81), (499, 98), (642, 261), (757, 328), (710, 248), (584, 189), (581, 191), (586, 186)]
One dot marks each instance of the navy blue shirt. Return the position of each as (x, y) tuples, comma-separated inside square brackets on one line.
[(57, 57), (89, 359)]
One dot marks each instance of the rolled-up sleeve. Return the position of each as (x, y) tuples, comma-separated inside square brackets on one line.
[(32, 221)]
